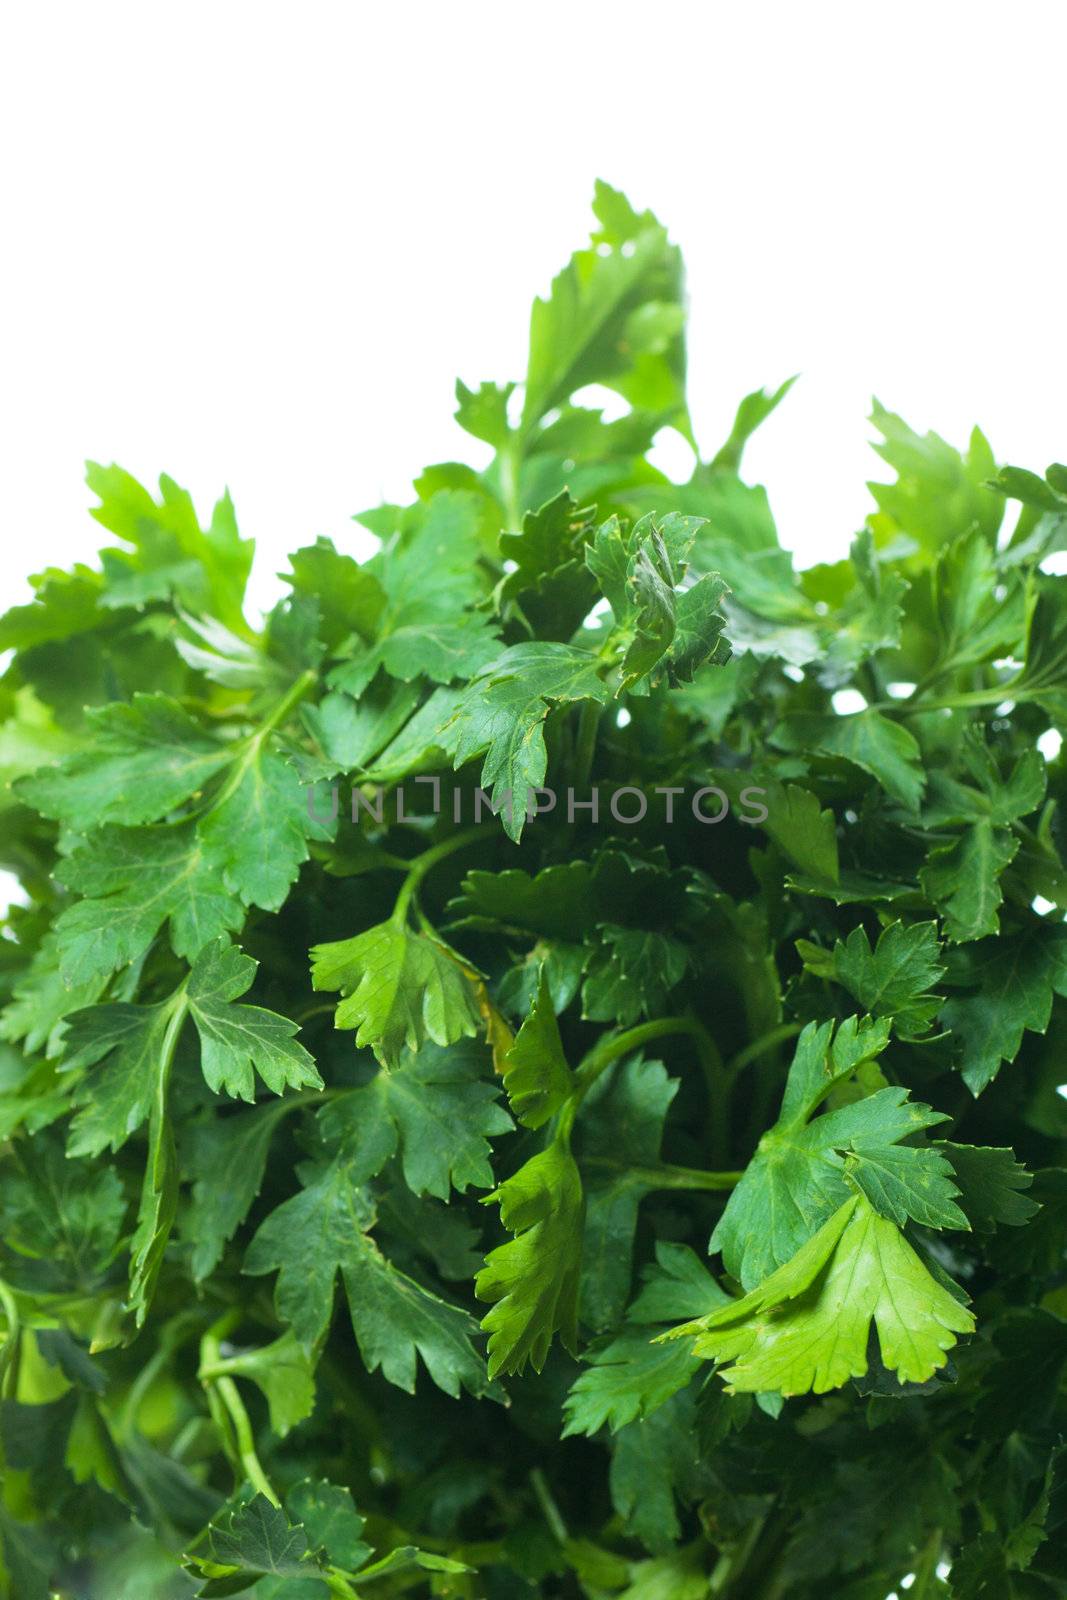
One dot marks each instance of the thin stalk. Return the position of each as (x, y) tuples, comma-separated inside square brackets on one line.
[(180, 1005), (956, 702), (288, 702), (510, 453), (278, 714), (338, 1584), (223, 1397), (927, 1565), (732, 1563), (621, 1044), (666, 1175), (171, 1339), (424, 864), (719, 1087), (766, 1041), (246, 1448), (545, 1499), (10, 1347), (585, 748)]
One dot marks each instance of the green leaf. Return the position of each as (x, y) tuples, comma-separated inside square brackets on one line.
[(905, 1183), (42, 1001), (698, 634), (868, 618), (798, 1177), (147, 757), (116, 1099), (28, 1560), (803, 830), (989, 1180), (676, 1284), (939, 493), (331, 1521), (536, 1075), (65, 604), (972, 619), (322, 1231), (427, 573), (554, 904), (256, 1538), (550, 585), (653, 1459), (532, 1281), (869, 740), (203, 569), (893, 979), (502, 718), (351, 732), (583, 332), (435, 1109), (806, 1326), (135, 880), (632, 974), (400, 988), (235, 1039), (484, 411), (621, 1126), (255, 837), (1001, 988), (963, 880), (1044, 675), (64, 1212), (628, 1377), (284, 1374), (664, 630), (348, 595), (226, 1157), (752, 413)]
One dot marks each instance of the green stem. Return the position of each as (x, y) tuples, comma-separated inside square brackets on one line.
[(278, 714), (552, 1514), (180, 1005), (423, 864), (622, 1044), (585, 748), (956, 702), (320, 1009), (172, 1337), (338, 1584), (226, 1392), (758, 1047), (927, 1564), (666, 1175), (10, 1346), (719, 1087), (731, 1564), (289, 700), (510, 453), (246, 1447)]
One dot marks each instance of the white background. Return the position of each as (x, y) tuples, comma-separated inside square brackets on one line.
[(254, 244)]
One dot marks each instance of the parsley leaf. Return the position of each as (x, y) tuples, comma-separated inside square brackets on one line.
[(805, 1327), (323, 1231), (401, 988)]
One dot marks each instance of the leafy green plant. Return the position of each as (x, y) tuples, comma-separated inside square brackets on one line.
[(535, 1071)]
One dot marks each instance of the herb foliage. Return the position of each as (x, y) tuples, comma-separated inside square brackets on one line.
[(655, 1197)]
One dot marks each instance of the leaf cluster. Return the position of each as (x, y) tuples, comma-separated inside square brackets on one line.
[(535, 1068)]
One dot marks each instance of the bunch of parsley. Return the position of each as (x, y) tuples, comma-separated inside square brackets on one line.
[(623, 1164)]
